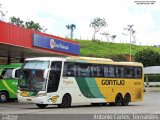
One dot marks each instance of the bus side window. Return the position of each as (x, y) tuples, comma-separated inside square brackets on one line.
[(106, 71), (138, 72), (70, 69), (120, 72), (129, 72), (96, 71), (84, 70), (111, 71)]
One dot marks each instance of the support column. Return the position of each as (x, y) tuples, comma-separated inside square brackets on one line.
[(8, 60), (147, 82), (21, 60)]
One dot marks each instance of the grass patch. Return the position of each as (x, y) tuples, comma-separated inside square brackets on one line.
[(105, 49)]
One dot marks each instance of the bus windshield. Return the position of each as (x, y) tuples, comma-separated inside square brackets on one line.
[(32, 76), (36, 65), (7, 73), (32, 80)]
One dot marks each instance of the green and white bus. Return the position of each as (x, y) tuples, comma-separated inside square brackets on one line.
[(64, 81), (8, 82)]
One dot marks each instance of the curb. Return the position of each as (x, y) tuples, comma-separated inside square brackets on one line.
[(152, 89)]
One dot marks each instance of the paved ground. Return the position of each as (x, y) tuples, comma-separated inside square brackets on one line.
[(150, 105)]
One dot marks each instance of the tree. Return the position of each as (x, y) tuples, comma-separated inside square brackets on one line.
[(97, 24), (148, 57), (113, 37), (33, 26), (71, 27), (17, 21), (108, 36), (29, 24)]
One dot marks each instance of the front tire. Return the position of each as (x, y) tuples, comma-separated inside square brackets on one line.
[(42, 105), (66, 101), (3, 97)]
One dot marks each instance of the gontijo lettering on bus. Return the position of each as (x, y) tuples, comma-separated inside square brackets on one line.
[(113, 82)]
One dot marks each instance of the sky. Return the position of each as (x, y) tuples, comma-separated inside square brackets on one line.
[(56, 14)]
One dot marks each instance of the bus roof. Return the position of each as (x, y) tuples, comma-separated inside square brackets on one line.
[(46, 58), (89, 59), (71, 58), (86, 60)]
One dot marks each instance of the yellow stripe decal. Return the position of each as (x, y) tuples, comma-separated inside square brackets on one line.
[(7, 86)]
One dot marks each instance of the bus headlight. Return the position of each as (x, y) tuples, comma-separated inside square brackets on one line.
[(41, 94)]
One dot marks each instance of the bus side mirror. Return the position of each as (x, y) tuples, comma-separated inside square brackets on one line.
[(16, 73), (46, 72)]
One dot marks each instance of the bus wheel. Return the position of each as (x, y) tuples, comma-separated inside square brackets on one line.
[(118, 100), (42, 105), (111, 104), (66, 101), (3, 97), (126, 99)]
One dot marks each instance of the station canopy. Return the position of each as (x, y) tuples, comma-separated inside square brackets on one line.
[(152, 70), (18, 42)]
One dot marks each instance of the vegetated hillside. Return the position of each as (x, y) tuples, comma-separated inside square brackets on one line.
[(105, 49)]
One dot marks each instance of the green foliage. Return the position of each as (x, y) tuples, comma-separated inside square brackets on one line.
[(29, 24), (148, 57), (71, 27), (17, 21), (97, 23), (105, 49), (33, 26), (117, 57)]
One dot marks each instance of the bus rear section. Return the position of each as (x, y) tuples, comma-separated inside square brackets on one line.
[(8, 81)]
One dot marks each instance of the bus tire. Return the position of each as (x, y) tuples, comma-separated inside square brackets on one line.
[(4, 97), (111, 104), (126, 99), (66, 101), (42, 105), (118, 99)]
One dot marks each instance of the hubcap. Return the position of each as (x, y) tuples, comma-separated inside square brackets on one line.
[(3, 97)]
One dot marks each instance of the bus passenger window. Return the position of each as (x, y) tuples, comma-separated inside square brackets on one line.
[(138, 72), (70, 69), (120, 72), (129, 72), (96, 71), (111, 71), (83, 70), (106, 71)]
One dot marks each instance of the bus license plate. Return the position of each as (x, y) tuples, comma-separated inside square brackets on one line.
[(29, 100)]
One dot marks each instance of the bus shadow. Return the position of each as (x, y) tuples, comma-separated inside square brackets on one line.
[(81, 106)]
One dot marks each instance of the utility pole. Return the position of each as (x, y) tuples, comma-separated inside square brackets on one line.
[(129, 28)]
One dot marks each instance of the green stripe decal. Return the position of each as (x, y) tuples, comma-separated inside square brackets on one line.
[(84, 88), (94, 87), (89, 87), (7, 86)]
